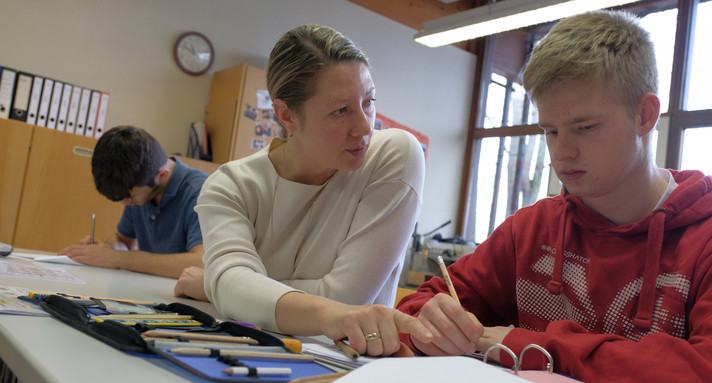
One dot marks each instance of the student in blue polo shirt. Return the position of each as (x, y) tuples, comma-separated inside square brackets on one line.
[(159, 232)]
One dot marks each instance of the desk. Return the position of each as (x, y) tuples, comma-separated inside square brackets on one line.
[(43, 349)]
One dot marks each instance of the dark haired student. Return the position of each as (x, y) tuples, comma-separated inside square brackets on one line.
[(158, 232)]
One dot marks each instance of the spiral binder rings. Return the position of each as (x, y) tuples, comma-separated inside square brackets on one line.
[(547, 376)]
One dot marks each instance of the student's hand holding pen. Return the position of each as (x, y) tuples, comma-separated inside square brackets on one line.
[(88, 241), (97, 254)]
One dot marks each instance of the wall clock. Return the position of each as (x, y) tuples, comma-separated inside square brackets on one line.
[(193, 53)]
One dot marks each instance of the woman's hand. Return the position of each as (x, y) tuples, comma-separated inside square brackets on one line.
[(371, 329), (190, 284)]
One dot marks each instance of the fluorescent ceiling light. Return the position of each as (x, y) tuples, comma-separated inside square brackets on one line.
[(504, 15)]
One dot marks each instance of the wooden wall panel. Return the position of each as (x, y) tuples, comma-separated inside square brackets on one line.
[(15, 139), (59, 194)]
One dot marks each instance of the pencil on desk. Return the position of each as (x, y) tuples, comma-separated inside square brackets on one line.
[(347, 350), (199, 336), (448, 281), (326, 378)]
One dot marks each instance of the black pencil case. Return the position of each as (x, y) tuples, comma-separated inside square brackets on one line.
[(209, 368)]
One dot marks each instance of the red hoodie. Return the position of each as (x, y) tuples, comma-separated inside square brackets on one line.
[(610, 303)]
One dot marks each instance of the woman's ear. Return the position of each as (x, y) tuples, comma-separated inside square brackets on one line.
[(285, 116), (648, 113)]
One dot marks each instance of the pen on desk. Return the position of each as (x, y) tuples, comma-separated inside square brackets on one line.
[(448, 281), (211, 352), (258, 371), (93, 220), (346, 349)]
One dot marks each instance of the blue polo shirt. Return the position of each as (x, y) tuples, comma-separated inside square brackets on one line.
[(172, 226)]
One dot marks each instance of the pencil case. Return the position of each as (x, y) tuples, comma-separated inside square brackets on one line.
[(209, 367)]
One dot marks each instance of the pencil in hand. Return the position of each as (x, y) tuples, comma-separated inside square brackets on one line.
[(347, 350), (448, 281)]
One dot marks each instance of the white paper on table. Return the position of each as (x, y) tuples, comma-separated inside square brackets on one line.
[(331, 352), (21, 270), (63, 259), (428, 369), (10, 304)]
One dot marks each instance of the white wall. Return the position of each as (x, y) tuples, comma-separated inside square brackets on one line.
[(125, 47)]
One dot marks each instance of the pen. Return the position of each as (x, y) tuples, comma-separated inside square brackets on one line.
[(347, 350), (448, 281), (93, 220), (258, 371), (211, 352)]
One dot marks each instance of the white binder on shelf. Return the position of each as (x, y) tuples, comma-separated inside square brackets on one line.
[(101, 114), (44, 102), (93, 112), (82, 113), (64, 107), (21, 99), (35, 96), (73, 109), (54, 104), (7, 89)]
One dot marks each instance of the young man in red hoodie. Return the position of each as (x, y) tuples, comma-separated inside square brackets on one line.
[(614, 276)]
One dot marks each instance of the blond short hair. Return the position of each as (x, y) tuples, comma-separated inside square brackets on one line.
[(606, 46)]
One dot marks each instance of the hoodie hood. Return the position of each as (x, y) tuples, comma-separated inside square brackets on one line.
[(689, 203)]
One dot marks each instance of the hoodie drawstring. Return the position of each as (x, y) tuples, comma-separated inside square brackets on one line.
[(556, 284), (646, 303)]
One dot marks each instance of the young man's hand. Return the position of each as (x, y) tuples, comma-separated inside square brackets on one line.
[(455, 331), (97, 254)]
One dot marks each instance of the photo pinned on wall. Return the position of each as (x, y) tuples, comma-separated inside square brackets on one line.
[(250, 112), (263, 99), (257, 143), (263, 128)]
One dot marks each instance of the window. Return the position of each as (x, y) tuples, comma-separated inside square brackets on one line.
[(697, 96), (696, 149), (511, 166)]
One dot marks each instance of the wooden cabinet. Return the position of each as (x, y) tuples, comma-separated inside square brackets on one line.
[(15, 138), (239, 114), (47, 192)]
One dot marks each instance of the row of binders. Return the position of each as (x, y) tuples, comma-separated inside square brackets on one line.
[(53, 104)]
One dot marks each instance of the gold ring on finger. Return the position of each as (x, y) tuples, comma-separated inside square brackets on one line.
[(373, 336)]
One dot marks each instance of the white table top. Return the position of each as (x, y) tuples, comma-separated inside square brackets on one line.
[(43, 349)]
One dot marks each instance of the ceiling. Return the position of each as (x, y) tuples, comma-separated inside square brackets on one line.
[(413, 13)]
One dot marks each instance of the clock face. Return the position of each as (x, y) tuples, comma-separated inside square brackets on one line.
[(193, 53)]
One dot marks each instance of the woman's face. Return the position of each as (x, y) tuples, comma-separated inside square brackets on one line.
[(333, 128)]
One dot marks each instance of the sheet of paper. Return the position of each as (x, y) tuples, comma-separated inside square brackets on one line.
[(46, 258), (10, 304), (429, 369), (331, 352), (20, 270)]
